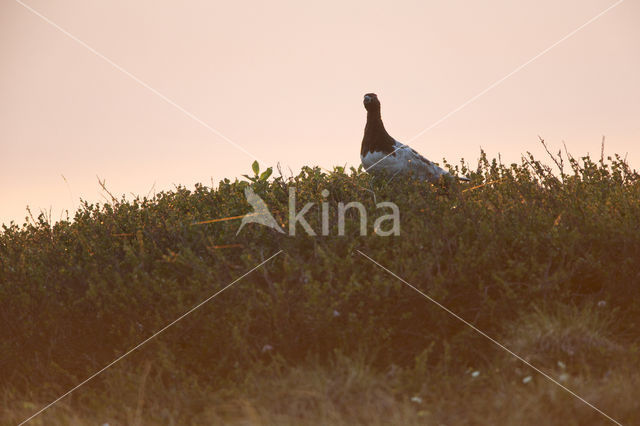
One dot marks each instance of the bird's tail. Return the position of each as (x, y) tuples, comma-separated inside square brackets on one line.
[(463, 179)]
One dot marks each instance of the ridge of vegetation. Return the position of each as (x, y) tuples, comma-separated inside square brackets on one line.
[(544, 261)]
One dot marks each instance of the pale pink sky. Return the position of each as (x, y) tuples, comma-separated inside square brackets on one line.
[(285, 79)]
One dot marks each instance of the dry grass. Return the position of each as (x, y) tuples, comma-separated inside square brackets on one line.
[(575, 346)]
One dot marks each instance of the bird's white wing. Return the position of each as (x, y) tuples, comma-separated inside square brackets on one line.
[(417, 165)]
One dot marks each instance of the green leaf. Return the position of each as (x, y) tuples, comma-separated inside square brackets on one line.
[(265, 175), (256, 167)]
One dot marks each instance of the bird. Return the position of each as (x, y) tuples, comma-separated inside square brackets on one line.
[(382, 153)]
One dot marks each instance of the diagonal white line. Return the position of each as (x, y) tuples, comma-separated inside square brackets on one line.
[(458, 317), (501, 80), (138, 80), (148, 339), (498, 82)]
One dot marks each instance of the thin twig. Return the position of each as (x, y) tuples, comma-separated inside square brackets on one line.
[(104, 187)]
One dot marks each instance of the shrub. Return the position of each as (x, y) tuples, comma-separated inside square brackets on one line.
[(508, 248)]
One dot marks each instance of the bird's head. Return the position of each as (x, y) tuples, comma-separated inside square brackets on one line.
[(371, 102)]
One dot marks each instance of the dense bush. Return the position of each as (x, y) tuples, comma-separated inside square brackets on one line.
[(518, 252)]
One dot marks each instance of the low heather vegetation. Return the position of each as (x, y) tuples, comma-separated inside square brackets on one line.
[(545, 261)]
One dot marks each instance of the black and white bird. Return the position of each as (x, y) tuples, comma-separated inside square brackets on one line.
[(382, 153)]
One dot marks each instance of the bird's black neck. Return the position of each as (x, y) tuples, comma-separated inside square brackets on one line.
[(376, 137)]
